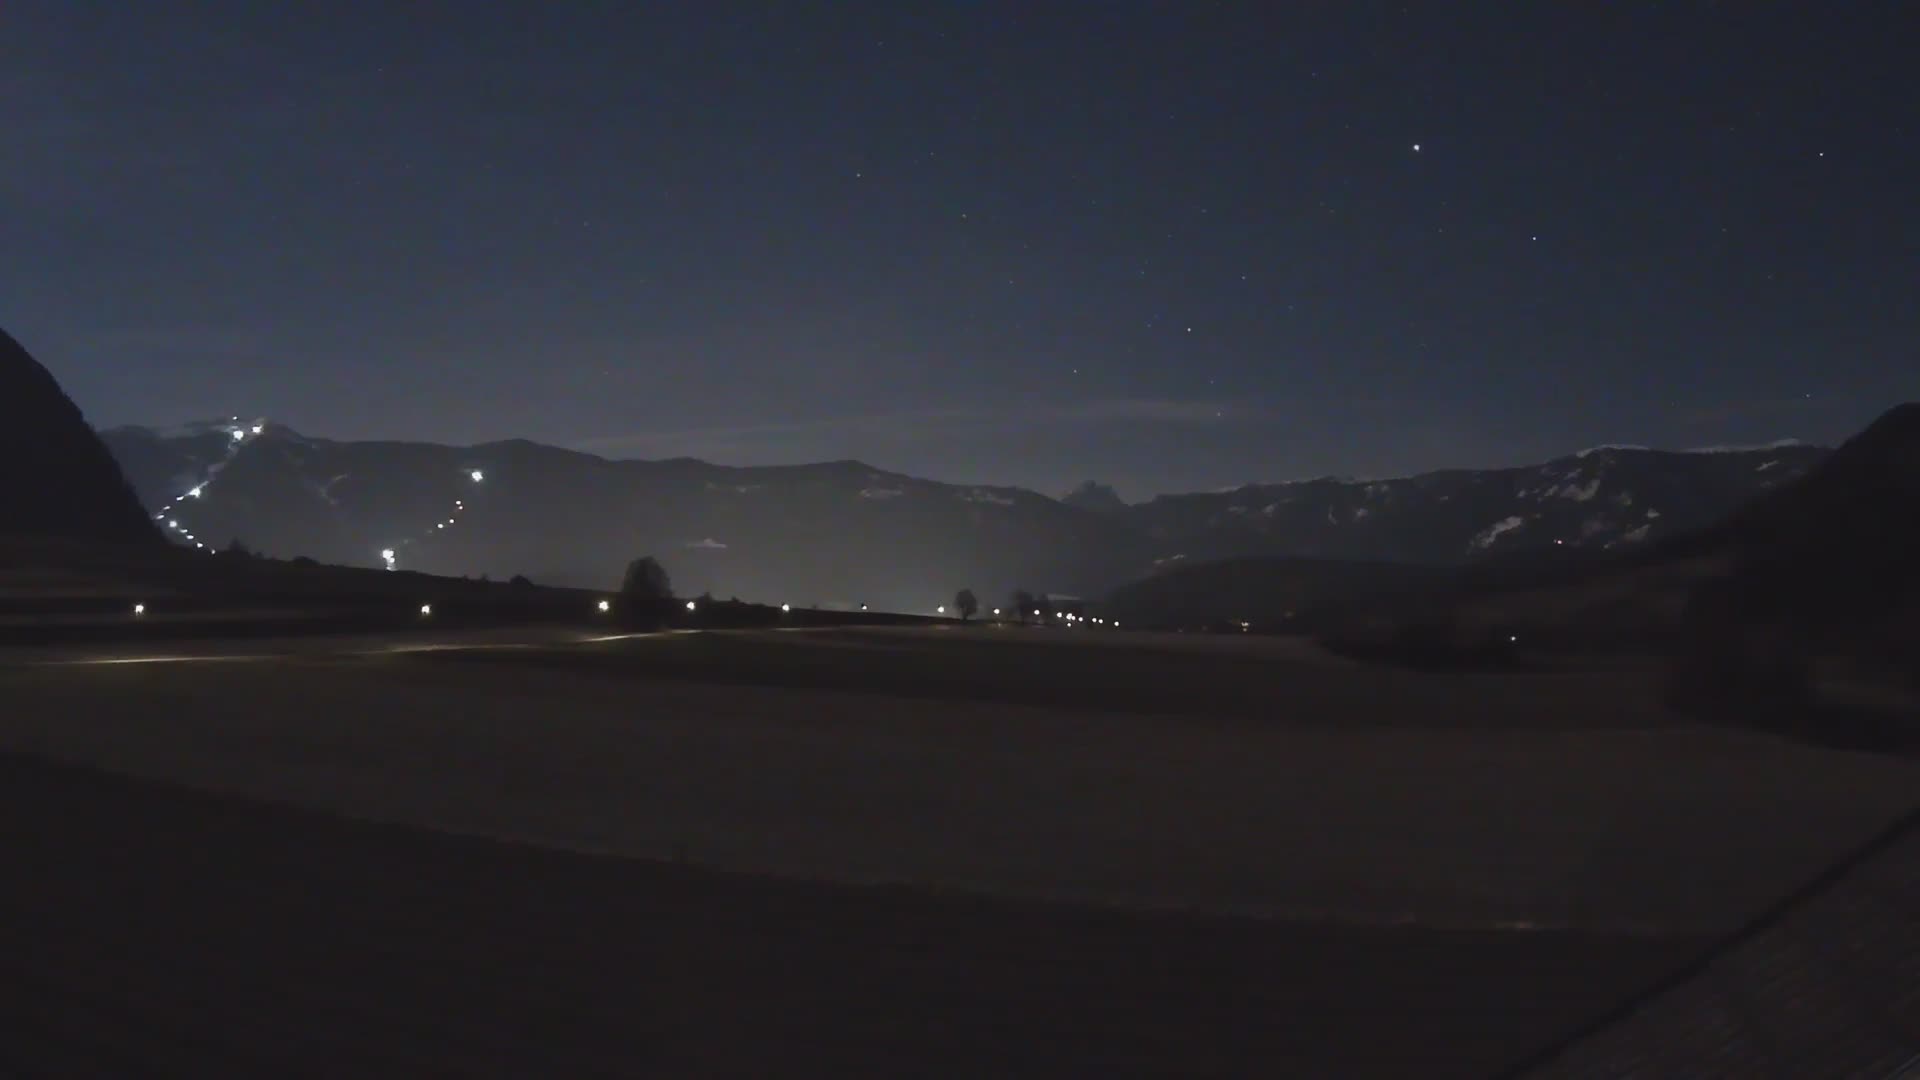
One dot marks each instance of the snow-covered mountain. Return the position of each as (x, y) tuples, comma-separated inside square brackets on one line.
[(1605, 497), (847, 533)]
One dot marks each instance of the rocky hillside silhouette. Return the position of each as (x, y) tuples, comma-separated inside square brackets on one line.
[(59, 479), (1840, 548)]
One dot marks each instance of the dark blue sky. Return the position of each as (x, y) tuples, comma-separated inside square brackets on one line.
[(1170, 246)]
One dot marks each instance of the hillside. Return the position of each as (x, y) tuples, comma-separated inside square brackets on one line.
[(60, 480), (845, 533)]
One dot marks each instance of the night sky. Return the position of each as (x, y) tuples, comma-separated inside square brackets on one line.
[(1169, 246)]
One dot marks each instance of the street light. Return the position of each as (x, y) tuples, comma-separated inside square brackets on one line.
[(691, 606), (941, 610), (426, 609), (604, 606), (139, 609), (477, 475), (784, 608)]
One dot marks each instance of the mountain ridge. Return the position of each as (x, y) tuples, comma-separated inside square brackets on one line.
[(852, 532)]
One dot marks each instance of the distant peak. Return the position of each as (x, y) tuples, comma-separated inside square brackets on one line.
[(1100, 498)]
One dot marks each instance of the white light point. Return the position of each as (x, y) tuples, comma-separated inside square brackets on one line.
[(477, 475), (996, 613), (786, 608), (941, 610), (1416, 148), (139, 609), (691, 606), (258, 428), (426, 609), (238, 435), (605, 607), (196, 491)]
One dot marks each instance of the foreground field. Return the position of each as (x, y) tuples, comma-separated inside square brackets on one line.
[(156, 932), (1246, 779), (1106, 854)]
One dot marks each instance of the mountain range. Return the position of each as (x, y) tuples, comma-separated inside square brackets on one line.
[(845, 533)]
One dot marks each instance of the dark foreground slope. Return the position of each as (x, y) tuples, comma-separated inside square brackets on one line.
[(59, 481), (1825, 984), (152, 931)]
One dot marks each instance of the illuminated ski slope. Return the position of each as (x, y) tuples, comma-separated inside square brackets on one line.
[(241, 435)]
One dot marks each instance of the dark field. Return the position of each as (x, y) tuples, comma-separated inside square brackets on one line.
[(1255, 859)]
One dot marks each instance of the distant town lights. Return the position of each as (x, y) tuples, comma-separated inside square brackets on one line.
[(258, 428), (238, 435)]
